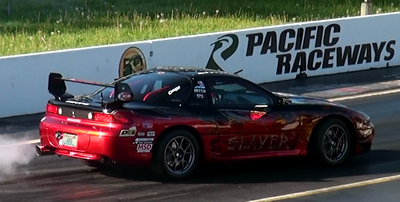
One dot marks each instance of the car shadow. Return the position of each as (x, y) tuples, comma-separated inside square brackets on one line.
[(274, 170)]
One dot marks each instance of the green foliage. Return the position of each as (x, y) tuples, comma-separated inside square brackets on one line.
[(43, 25)]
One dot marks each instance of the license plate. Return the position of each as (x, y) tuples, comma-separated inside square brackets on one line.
[(69, 140)]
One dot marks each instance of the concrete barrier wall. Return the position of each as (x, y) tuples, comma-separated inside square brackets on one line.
[(264, 54)]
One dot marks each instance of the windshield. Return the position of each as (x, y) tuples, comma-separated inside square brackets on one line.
[(143, 85)]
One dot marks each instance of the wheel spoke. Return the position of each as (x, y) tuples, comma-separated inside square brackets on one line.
[(329, 135), (176, 143), (183, 164), (326, 142), (188, 147), (172, 151), (327, 152), (342, 137), (181, 144), (337, 131), (176, 165)]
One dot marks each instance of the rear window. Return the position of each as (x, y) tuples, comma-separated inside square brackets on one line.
[(144, 85)]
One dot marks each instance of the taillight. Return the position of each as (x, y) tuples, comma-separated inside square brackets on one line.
[(51, 109), (121, 119), (101, 117), (110, 118)]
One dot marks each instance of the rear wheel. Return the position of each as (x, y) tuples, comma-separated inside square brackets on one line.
[(331, 142), (176, 155)]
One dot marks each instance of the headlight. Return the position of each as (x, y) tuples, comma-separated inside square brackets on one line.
[(365, 116), (365, 127)]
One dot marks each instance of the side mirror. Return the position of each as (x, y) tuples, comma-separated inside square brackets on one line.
[(283, 101), (280, 101)]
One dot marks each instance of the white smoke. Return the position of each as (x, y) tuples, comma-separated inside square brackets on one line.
[(14, 154)]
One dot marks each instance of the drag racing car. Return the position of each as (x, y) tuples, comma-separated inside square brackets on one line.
[(171, 119)]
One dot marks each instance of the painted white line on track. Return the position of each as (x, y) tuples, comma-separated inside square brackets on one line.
[(329, 189), (21, 143), (364, 95)]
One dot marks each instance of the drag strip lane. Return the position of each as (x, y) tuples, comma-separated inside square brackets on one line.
[(330, 189), (238, 182)]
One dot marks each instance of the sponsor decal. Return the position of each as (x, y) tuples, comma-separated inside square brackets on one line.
[(196, 90), (200, 83), (78, 103), (147, 124), (258, 142), (132, 61), (128, 132), (200, 96), (174, 90), (143, 140), (151, 133), (74, 120), (144, 147), (302, 49), (125, 96), (141, 133)]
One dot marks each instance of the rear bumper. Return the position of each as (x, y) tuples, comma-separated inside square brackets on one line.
[(93, 144)]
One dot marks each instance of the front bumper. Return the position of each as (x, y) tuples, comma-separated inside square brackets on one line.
[(365, 133)]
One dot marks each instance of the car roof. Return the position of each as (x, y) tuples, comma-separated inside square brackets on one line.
[(192, 72)]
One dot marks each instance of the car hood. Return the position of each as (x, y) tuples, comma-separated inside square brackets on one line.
[(304, 100)]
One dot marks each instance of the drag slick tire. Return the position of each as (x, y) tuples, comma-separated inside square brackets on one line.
[(176, 155), (331, 142)]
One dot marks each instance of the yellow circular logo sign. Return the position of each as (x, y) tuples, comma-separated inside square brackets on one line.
[(132, 61)]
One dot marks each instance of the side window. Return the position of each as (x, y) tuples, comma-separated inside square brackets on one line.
[(236, 92), (198, 96)]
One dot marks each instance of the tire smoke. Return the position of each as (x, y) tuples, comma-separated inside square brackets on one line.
[(14, 155)]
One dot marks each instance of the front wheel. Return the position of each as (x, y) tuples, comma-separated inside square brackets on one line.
[(331, 142), (176, 155)]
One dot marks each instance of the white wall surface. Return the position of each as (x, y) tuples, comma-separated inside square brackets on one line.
[(23, 78)]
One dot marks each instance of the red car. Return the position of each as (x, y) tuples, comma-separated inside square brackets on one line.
[(172, 118)]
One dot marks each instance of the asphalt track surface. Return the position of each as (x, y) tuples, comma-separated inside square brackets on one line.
[(52, 178)]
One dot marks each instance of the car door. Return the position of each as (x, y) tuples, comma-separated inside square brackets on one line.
[(248, 119)]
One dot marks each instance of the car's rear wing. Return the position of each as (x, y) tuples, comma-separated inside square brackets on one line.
[(57, 87)]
